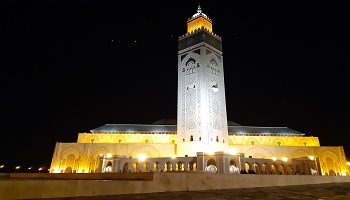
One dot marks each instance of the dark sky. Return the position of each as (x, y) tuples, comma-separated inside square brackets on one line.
[(71, 66)]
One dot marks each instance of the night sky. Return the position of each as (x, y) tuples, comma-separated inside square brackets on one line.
[(72, 66)]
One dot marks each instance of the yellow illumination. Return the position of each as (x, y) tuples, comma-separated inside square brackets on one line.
[(142, 157), (18, 167), (284, 159), (109, 155), (197, 23), (231, 151), (56, 170), (348, 163), (210, 152), (40, 169), (173, 156), (101, 154), (274, 158), (311, 157), (2, 166)]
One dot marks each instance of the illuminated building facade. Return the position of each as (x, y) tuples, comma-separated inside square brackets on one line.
[(201, 138)]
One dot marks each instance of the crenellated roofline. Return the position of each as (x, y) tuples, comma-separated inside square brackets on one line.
[(198, 30)]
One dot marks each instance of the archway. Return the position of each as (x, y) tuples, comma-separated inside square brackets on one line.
[(256, 168), (191, 166), (211, 166), (126, 167), (68, 170), (332, 173), (232, 162), (247, 167), (282, 169), (135, 167), (180, 166), (168, 166), (108, 167), (264, 169), (211, 162)]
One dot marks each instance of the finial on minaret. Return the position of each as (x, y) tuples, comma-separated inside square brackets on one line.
[(199, 10)]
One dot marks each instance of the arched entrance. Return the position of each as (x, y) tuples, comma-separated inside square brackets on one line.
[(332, 173), (108, 167), (211, 166), (126, 167)]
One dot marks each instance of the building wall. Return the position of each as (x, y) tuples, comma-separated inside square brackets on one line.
[(273, 140), (122, 138), (84, 157), (155, 138)]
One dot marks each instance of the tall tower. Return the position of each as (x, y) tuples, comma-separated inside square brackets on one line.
[(201, 109)]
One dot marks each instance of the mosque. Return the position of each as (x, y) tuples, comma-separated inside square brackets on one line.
[(201, 138)]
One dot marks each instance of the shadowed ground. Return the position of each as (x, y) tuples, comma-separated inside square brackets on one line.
[(302, 192)]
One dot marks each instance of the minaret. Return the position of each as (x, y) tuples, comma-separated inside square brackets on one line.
[(201, 114)]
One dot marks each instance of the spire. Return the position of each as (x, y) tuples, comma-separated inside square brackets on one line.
[(199, 10)]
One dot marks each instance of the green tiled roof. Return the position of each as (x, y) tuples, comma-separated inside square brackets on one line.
[(161, 128)]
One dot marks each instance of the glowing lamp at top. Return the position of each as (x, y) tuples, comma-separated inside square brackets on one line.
[(284, 159), (18, 167), (233, 151), (348, 163), (274, 158), (142, 157), (210, 152), (311, 157), (101, 154), (2, 166), (173, 156), (109, 155)]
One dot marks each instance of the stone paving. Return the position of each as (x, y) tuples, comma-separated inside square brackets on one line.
[(335, 191)]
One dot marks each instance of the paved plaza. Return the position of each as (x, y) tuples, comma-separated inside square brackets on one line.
[(301, 192)]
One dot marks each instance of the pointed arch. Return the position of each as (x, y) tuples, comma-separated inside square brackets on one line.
[(301, 153), (144, 149), (70, 150), (259, 152)]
